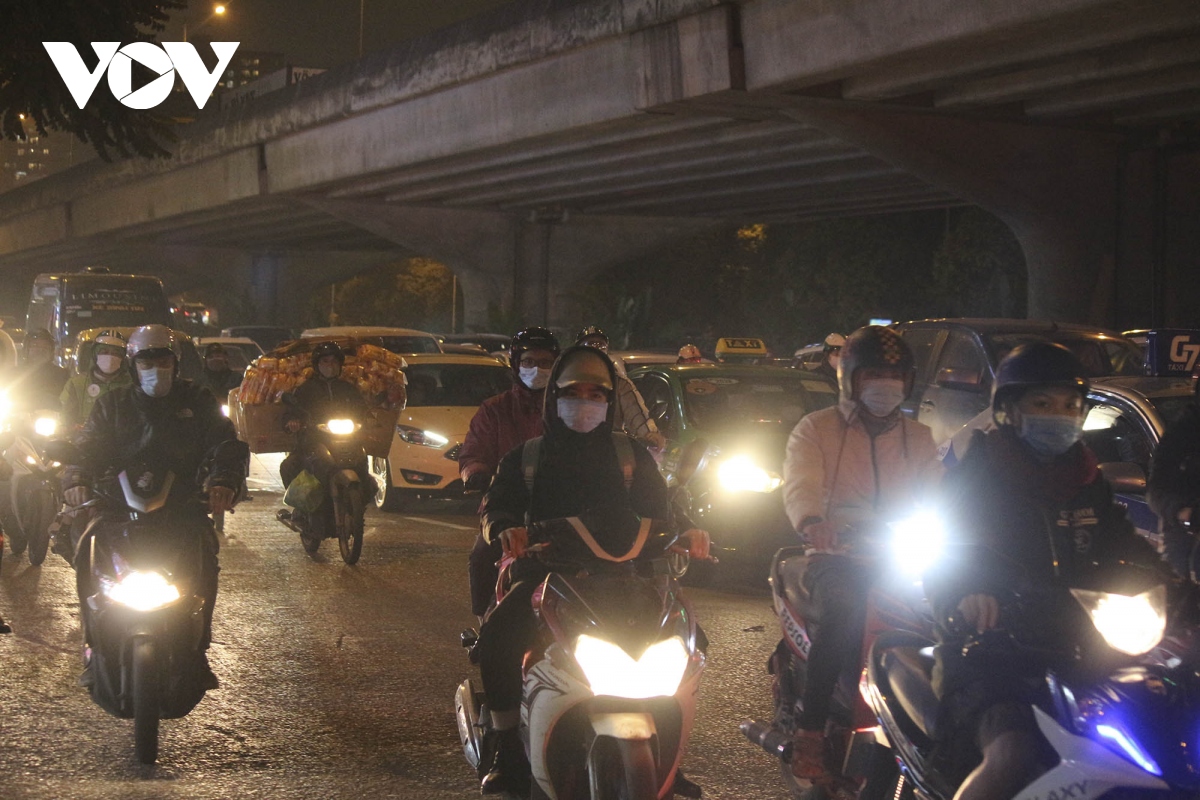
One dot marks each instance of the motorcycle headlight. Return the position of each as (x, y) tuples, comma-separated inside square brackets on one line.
[(612, 673), (917, 542), (741, 474), (412, 435), (340, 427), (141, 591), (45, 426), (225, 409), (1128, 747), (1130, 625)]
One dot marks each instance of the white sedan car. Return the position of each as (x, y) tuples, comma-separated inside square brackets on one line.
[(444, 392)]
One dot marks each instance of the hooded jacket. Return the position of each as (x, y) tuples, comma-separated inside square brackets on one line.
[(836, 470), (578, 473), (501, 423)]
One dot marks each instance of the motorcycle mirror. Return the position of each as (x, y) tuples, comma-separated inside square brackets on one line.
[(62, 451), (689, 460)]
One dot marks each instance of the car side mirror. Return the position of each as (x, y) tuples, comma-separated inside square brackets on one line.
[(958, 378), (1124, 477)]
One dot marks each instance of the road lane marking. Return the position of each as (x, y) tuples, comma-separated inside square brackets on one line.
[(442, 524)]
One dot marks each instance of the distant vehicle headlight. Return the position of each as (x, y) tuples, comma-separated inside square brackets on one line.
[(611, 672), (1131, 625), (741, 474), (45, 426), (340, 427), (412, 435), (141, 591)]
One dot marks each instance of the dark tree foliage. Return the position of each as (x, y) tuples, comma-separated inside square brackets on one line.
[(30, 84)]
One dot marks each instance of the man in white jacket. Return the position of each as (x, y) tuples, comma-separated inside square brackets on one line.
[(848, 468)]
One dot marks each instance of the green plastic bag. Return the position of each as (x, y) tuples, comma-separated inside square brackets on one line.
[(305, 493)]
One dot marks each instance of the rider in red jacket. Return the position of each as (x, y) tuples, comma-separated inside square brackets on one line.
[(502, 423)]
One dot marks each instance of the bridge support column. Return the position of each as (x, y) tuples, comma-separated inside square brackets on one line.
[(529, 269), (1056, 188)]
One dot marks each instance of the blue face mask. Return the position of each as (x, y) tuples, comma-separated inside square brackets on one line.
[(1050, 435)]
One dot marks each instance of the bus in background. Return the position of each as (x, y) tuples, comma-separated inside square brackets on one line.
[(70, 302)]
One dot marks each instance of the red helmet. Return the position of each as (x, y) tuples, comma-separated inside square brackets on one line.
[(689, 354)]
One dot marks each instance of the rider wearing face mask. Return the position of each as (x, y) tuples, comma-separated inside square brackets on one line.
[(217, 376), (856, 465), (107, 374), (161, 419), (500, 424), (322, 397), (577, 470), (1030, 491)]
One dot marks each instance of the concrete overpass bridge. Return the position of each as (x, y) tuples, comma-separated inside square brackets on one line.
[(530, 148)]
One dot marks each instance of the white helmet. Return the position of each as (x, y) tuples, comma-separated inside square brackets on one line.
[(152, 340)]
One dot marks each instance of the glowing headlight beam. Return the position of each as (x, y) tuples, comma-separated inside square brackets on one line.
[(1130, 625), (141, 591), (340, 427), (918, 542), (612, 673), (45, 426), (741, 474)]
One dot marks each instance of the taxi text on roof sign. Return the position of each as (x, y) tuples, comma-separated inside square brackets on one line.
[(1172, 352), (747, 346)]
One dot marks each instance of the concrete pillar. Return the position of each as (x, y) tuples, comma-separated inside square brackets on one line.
[(1055, 187), (509, 255)]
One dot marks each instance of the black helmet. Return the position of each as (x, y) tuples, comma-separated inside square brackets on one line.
[(591, 332), (1039, 364), (214, 349), (874, 347), (328, 349), (534, 338)]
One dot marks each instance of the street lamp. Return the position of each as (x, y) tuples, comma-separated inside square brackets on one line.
[(219, 10)]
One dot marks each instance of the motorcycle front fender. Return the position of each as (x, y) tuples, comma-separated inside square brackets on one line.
[(345, 477), (624, 725)]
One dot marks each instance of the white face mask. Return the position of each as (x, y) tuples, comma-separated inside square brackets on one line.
[(582, 416), (155, 381), (534, 377), (881, 396), (108, 364)]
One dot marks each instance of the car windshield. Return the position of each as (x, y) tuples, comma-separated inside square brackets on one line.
[(1100, 357), (411, 344), (716, 401), (455, 384)]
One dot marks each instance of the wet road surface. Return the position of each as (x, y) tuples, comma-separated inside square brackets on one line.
[(336, 681)]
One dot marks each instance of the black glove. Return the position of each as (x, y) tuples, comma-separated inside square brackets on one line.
[(477, 481)]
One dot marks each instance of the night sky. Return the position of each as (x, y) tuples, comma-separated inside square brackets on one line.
[(322, 33)]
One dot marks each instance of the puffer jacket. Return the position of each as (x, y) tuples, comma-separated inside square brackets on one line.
[(500, 424), (835, 469)]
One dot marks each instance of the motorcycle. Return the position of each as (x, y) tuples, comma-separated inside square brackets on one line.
[(343, 500), (896, 602), (610, 686), (138, 571), (1117, 707), (34, 492)]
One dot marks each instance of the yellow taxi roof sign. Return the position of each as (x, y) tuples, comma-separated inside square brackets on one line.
[(740, 346)]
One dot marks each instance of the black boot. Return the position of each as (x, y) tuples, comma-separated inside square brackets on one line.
[(510, 769), (4, 626)]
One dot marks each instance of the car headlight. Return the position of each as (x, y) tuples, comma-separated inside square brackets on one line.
[(917, 541), (141, 591), (1131, 625), (741, 474), (45, 426), (412, 435), (340, 427), (612, 673)]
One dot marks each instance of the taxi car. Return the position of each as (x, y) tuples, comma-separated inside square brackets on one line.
[(745, 414), (956, 361), (444, 392), (741, 350)]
